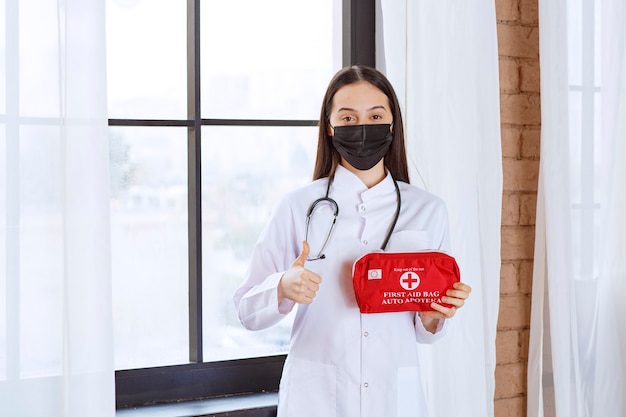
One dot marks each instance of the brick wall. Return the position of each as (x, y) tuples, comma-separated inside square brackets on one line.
[(518, 48)]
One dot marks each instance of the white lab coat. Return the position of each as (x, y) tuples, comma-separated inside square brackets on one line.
[(341, 362)]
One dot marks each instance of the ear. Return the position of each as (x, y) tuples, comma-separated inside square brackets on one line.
[(329, 130)]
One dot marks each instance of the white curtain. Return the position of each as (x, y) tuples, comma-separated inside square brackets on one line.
[(442, 58), (577, 365), (56, 350)]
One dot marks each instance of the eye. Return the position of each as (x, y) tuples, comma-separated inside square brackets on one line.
[(347, 119), (377, 117)]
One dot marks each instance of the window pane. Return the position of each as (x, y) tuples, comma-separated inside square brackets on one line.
[(268, 59), (149, 245), (244, 172), (7, 240), (4, 64), (38, 90), (261, 60), (147, 59), (40, 294)]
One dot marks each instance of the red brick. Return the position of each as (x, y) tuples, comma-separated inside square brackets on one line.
[(508, 347), (510, 407), (524, 340), (510, 209), (520, 114), (520, 109), (528, 209), (529, 12), (511, 137), (529, 76), (517, 243), (507, 10), (520, 174), (530, 142), (514, 312), (510, 380), (526, 277), (518, 41), (509, 75), (509, 278)]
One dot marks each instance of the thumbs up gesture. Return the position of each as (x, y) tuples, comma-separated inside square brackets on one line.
[(298, 283)]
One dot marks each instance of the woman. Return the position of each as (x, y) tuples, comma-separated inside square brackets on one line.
[(342, 362)]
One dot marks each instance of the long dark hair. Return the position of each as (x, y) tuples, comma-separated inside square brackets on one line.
[(327, 156)]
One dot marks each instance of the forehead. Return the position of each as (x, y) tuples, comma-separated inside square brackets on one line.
[(359, 96)]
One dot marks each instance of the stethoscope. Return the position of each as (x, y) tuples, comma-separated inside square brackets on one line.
[(335, 206)]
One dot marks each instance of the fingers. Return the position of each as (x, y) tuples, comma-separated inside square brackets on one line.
[(455, 298), (462, 287), (304, 287), (453, 301), (298, 283), (446, 312), (310, 281), (308, 289), (457, 295), (301, 259), (438, 312)]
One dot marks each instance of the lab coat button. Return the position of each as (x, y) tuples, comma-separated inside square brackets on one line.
[(366, 385), (362, 207), (365, 242), (366, 334)]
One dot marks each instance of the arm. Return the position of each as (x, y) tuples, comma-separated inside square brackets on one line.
[(256, 300), (456, 297), (432, 321)]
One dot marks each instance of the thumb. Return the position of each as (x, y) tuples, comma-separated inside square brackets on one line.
[(303, 255)]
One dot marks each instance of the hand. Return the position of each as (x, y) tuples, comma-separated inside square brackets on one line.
[(455, 296), (297, 283)]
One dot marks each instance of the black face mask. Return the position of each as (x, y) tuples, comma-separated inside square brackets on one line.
[(362, 146)]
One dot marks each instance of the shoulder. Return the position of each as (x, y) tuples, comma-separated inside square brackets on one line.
[(423, 221), (416, 195), (300, 198), (288, 214), (314, 188)]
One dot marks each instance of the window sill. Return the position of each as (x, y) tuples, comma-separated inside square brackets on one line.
[(251, 405)]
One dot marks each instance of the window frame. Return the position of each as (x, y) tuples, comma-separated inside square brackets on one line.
[(198, 379)]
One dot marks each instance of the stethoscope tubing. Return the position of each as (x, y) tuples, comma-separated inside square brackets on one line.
[(335, 206)]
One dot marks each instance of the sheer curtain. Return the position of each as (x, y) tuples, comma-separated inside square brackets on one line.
[(442, 58), (578, 321), (56, 350)]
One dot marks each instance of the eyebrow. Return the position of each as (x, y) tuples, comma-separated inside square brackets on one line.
[(370, 109)]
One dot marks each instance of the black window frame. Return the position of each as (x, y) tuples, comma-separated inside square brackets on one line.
[(198, 379)]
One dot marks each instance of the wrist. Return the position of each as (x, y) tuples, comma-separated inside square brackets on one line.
[(430, 324), (279, 290)]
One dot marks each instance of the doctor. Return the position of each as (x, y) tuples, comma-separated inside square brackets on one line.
[(341, 362)]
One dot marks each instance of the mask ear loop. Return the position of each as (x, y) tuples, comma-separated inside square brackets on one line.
[(395, 219)]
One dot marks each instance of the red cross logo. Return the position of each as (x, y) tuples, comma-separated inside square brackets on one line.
[(409, 281)]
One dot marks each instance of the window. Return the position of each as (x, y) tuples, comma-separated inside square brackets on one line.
[(213, 110), (584, 34)]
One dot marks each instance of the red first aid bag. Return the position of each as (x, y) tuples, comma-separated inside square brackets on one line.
[(409, 281)]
